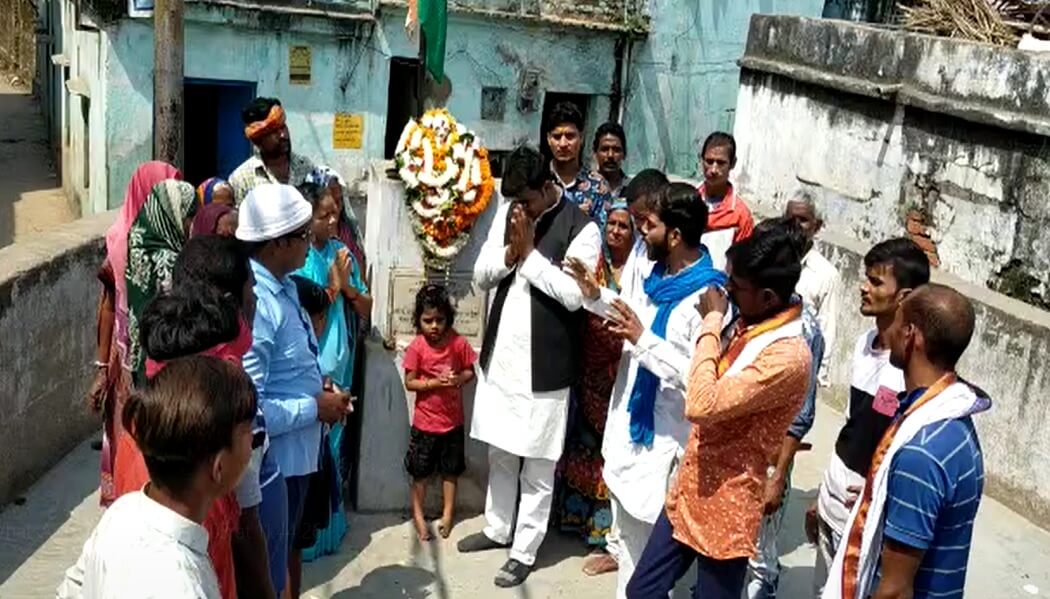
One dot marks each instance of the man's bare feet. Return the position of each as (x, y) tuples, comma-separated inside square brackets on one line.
[(599, 563), (445, 527), (423, 531)]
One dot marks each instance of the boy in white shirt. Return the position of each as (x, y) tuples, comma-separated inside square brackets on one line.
[(193, 423)]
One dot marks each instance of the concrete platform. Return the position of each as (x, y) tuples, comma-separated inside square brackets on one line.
[(381, 558)]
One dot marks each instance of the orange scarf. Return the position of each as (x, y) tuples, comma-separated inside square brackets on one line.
[(743, 335), (851, 562), (273, 121)]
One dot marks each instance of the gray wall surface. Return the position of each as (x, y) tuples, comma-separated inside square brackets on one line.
[(48, 299), (880, 123)]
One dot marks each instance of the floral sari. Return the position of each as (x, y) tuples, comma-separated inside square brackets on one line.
[(584, 502), (336, 349), (154, 242)]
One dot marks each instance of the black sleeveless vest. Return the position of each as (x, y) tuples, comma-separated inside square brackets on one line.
[(557, 334)]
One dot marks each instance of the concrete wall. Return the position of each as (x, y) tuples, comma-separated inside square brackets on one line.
[(683, 78), (18, 39), (1006, 358), (84, 157), (350, 64), (48, 296), (881, 123), (385, 406)]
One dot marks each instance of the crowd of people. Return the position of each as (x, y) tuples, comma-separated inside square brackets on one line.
[(250, 291), (648, 373)]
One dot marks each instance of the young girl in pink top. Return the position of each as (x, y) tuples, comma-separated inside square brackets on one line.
[(437, 365)]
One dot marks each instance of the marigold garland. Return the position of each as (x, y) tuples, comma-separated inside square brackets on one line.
[(448, 182)]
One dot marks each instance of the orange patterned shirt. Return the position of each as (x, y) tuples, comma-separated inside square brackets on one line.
[(739, 424)]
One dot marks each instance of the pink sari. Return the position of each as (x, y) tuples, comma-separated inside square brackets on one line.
[(147, 175), (112, 273)]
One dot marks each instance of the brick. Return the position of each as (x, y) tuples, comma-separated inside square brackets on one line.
[(915, 223), (925, 243)]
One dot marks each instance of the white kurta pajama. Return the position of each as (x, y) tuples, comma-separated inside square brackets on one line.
[(638, 476), (525, 429)]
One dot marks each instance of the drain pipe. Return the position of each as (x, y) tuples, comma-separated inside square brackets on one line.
[(616, 95)]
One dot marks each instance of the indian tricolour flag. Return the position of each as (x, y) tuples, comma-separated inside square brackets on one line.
[(430, 17)]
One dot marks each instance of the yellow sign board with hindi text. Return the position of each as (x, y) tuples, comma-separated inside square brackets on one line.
[(348, 131)]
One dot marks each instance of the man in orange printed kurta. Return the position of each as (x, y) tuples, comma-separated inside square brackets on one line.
[(740, 402)]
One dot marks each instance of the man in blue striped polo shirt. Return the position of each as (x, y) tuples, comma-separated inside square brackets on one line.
[(928, 495)]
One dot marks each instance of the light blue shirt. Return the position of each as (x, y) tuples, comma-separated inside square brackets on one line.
[(283, 365)]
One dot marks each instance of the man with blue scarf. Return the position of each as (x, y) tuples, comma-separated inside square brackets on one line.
[(646, 429)]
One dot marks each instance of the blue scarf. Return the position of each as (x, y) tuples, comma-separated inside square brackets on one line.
[(666, 293)]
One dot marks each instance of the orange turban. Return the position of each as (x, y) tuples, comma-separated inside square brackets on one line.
[(272, 122)]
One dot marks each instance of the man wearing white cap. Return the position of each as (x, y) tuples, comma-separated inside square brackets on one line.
[(275, 222)]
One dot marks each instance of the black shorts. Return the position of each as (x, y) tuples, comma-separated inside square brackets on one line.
[(319, 501), (435, 453)]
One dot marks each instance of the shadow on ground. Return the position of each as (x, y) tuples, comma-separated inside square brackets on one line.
[(388, 582)]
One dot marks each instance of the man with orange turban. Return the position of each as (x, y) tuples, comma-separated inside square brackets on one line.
[(274, 161)]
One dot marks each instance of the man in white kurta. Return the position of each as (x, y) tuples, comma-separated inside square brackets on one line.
[(525, 428), (820, 284), (638, 474)]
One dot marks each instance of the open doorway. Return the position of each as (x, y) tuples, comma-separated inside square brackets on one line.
[(214, 134), (552, 99), (402, 99)]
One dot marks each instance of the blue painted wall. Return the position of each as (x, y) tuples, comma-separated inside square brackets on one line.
[(683, 78), (350, 64)]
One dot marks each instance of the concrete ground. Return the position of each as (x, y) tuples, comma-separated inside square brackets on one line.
[(381, 558), (31, 197)]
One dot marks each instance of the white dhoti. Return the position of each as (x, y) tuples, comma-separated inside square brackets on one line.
[(630, 544)]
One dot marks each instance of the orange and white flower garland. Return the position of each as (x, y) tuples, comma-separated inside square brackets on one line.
[(448, 182)]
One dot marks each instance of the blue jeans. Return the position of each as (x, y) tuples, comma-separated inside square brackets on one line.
[(764, 567), (665, 560)]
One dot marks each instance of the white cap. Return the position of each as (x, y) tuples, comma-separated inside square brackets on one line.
[(270, 211)]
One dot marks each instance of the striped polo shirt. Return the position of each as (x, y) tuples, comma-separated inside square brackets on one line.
[(935, 488)]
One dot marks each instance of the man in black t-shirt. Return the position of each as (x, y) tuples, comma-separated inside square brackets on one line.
[(891, 270)]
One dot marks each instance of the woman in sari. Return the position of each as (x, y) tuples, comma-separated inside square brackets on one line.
[(348, 229), (215, 219), (111, 386), (331, 266), (215, 191), (154, 242), (584, 505)]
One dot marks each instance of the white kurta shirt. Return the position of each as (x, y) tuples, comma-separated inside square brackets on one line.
[(820, 288), (142, 549), (718, 243), (638, 475), (508, 414)]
